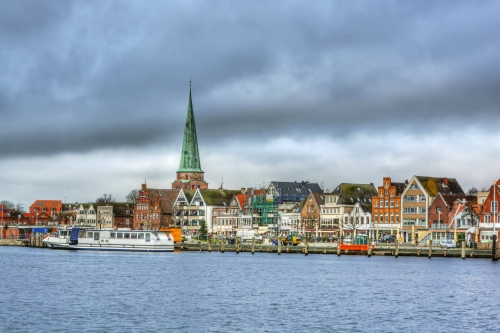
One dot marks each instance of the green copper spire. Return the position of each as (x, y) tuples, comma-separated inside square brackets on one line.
[(190, 157)]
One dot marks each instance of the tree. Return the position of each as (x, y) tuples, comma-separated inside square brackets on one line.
[(132, 196), (7, 204), (469, 212), (472, 191), (202, 232), (105, 199)]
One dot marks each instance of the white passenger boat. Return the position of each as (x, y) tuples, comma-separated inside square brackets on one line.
[(111, 240)]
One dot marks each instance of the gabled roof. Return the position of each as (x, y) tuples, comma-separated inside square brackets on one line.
[(319, 198), (443, 185), (349, 194), (304, 187), (449, 199), (241, 200), (218, 197)]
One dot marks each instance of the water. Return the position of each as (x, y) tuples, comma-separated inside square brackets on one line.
[(62, 291)]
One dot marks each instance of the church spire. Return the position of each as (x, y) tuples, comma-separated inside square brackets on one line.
[(190, 156)]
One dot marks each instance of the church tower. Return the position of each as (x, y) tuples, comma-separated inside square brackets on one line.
[(190, 176)]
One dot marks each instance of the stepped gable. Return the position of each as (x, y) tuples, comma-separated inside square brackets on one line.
[(443, 185)]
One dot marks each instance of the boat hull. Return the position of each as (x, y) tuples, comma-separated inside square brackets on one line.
[(83, 247)]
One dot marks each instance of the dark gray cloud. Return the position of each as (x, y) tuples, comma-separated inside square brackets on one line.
[(83, 76)]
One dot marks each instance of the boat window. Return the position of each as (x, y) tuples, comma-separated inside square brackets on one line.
[(96, 236), (112, 235), (156, 236), (148, 237), (127, 235), (89, 234), (119, 235), (141, 235), (134, 235)]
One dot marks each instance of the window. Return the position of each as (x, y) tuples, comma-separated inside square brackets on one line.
[(392, 203), (392, 217), (487, 219), (410, 210), (410, 198), (140, 235), (96, 236), (45, 209), (134, 235), (148, 237), (112, 235), (386, 218), (397, 218), (422, 198), (438, 209), (414, 187), (423, 210), (494, 206), (387, 203), (376, 217), (119, 235)]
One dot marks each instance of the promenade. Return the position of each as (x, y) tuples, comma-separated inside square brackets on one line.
[(331, 248)]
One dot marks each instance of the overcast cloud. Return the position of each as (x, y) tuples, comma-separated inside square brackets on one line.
[(93, 94)]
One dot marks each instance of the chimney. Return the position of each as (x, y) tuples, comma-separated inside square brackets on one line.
[(445, 181), (406, 182)]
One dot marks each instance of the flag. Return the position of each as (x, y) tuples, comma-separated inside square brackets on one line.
[(3, 209)]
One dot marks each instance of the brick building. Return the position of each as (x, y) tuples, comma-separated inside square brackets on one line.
[(489, 222), (386, 206)]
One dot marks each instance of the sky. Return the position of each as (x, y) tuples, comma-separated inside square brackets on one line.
[(93, 94)]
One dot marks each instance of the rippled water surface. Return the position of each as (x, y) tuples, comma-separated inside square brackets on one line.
[(63, 291)]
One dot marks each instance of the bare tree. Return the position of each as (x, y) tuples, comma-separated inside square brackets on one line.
[(469, 212), (351, 221), (8, 204), (132, 196), (105, 199), (472, 191)]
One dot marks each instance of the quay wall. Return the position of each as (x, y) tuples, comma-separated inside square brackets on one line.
[(382, 251)]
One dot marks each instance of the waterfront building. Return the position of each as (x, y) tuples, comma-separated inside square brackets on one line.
[(43, 212), (342, 200), (357, 218), (386, 207), (489, 222), (192, 206), (417, 197), (447, 216), (310, 214), (293, 191), (190, 176), (105, 217), (86, 216), (153, 208), (290, 216)]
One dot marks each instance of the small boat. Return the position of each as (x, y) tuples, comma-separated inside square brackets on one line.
[(111, 240), (355, 247)]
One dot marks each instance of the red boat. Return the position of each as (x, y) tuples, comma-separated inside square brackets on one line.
[(355, 247)]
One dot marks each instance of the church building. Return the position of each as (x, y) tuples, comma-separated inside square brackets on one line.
[(190, 176), (153, 207)]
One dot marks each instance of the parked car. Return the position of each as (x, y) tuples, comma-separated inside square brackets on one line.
[(388, 239), (347, 240), (447, 243)]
